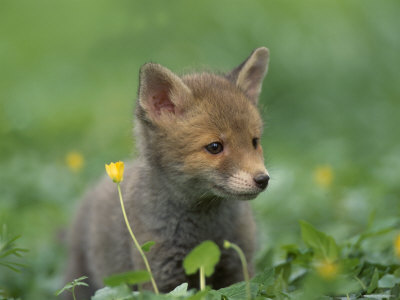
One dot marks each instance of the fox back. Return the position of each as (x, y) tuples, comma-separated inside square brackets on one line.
[(199, 159)]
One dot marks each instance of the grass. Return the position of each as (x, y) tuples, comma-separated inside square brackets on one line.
[(69, 80)]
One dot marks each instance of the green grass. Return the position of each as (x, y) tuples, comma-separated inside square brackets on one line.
[(68, 82)]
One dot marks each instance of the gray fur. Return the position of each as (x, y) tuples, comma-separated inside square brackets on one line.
[(169, 190)]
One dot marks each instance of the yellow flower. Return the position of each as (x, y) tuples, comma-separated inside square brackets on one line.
[(323, 176), (115, 171), (74, 161), (327, 270), (397, 245)]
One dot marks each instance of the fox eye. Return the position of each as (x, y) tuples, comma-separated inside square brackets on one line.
[(255, 142), (214, 147)]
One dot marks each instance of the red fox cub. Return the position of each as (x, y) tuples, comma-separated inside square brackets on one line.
[(199, 159)]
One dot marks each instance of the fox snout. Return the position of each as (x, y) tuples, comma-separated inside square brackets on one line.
[(243, 185), (261, 180)]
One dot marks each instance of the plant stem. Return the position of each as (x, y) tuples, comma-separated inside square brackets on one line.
[(244, 267), (202, 279), (364, 287), (135, 241), (73, 292)]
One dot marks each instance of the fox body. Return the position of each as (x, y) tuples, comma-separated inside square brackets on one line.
[(199, 158)]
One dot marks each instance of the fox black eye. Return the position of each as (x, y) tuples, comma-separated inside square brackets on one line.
[(214, 147), (255, 143)]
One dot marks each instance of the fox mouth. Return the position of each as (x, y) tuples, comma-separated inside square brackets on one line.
[(225, 193)]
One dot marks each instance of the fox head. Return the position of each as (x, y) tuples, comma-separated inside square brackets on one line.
[(202, 131)]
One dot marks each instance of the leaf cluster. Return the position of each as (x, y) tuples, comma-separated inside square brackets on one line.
[(352, 273), (70, 286), (8, 249)]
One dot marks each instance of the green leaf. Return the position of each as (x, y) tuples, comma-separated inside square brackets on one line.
[(65, 288), (131, 277), (397, 272), (80, 278), (205, 255), (13, 251), (324, 246), (388, 281), (72, 284), (215, 295), (180, 290), (199, 295), (10, 266), (374, 282), (278, 286), (237, 291), (147, 246), (8, 248), (350, 266), (113, 293), (266, 278), (81, 284), (382, 228), (286, 269)]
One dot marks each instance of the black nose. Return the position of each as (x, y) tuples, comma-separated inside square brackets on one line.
[(261, 180)]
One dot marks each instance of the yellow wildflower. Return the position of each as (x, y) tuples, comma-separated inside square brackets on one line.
[(115, 171), (397, 245), (327, 270), (323, 176), (74, 161)]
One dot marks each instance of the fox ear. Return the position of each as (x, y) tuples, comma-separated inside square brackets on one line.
[(161, 91), (249, 75)]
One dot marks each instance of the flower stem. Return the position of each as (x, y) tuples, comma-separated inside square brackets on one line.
[(73, 292), (135, 240), (244, 265), (202, 279)]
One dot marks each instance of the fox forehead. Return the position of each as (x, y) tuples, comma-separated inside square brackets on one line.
[(221, 104)]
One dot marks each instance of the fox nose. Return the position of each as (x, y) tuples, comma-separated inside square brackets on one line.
[(261, 180)]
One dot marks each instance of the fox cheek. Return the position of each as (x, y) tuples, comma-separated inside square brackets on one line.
[(261, 151)]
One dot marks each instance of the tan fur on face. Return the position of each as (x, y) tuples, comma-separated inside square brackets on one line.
[(219, 112), (242, 182)]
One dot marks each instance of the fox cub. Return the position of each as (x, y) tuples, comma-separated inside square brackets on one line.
[(199, 158)]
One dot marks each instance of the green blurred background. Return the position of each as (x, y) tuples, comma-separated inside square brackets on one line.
[(68, 83)]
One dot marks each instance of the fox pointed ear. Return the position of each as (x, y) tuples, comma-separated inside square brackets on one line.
[(161, 91), (249, 75)]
